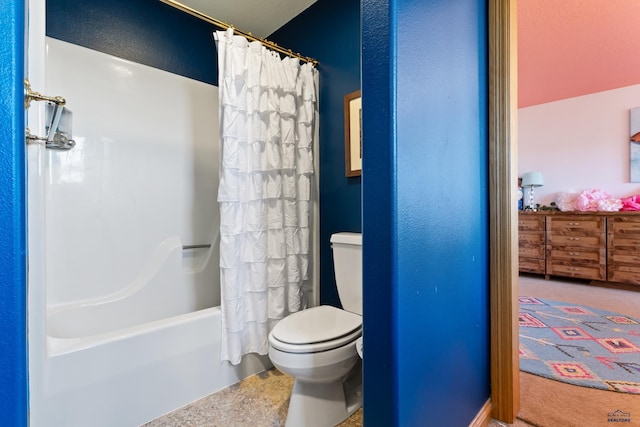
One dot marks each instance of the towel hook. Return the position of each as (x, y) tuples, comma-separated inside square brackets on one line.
[(30, 95)]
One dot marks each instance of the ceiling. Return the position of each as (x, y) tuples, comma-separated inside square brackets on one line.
[(566, 48), (258, 17), (569, 48)]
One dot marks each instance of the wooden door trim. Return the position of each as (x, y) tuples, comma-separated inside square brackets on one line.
[(503, 271)]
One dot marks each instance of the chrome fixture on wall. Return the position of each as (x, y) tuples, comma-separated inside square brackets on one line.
[(58, 119)]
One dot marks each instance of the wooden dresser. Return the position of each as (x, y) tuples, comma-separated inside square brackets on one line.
[(531, 243), (577, 246), (623, 259), (599, 246)]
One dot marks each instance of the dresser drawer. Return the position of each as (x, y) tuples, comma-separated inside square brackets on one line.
[(576, 225), (561, 240), (623, 246), (625, 243), (528, 222), (625, 227), (564, 232), (623, 235), (570, 269), (578, 256), (531, 238), (624, 274), (531, 251), (531, 242), (623, 257), (531, 265)]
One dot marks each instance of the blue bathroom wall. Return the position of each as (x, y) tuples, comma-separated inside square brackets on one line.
[(13, 262), (147, 32), (329, 31), (425, 222), (155, 34), (378, 222)]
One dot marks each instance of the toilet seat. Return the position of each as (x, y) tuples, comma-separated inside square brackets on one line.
[(316, 329)]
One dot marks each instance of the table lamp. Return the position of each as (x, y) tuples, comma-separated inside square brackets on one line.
[(532, 180)]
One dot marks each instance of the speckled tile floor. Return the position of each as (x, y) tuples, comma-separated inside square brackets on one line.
[(257, 401)]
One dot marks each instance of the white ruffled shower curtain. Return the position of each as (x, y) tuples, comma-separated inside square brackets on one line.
[(267, 119)]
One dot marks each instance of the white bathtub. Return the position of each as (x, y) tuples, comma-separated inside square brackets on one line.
[(131, 356), (130, 376)]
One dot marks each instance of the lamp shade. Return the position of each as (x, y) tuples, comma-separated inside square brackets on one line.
[(532, 179)]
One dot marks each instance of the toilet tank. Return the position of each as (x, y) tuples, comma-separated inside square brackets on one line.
[(347, 264)]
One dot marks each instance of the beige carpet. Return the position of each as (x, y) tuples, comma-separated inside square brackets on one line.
[(550, 403)]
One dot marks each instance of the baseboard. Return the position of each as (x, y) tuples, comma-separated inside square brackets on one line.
[(614, 285), (483, 416)]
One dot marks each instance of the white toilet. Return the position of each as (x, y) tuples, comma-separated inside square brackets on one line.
[(317, 346)]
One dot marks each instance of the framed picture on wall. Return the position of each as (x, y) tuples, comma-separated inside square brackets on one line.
[(634, 144), (353, 133)]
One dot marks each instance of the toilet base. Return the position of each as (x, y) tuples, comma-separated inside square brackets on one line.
[(325, 404)]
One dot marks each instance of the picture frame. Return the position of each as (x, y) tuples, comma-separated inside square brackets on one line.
[(353, 133), (634, 145)]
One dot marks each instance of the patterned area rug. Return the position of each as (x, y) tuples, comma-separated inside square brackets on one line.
[(579, 345)]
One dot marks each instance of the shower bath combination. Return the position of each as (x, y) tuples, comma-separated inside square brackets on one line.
[(124, 316)]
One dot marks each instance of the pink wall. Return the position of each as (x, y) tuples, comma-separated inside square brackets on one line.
[(571, 48), (578, 143), (579, 74)]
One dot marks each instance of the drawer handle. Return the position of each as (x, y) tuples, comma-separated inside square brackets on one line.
[(573, 238), (574, 253), (574, 269), (574, 223)]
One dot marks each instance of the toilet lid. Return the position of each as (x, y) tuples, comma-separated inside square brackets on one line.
[(315, 325), (318, 347)]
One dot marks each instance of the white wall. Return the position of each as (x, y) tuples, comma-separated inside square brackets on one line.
[(579, 143), (144, 172)]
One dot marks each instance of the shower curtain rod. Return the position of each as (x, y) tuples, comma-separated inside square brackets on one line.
[(249, 36)]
